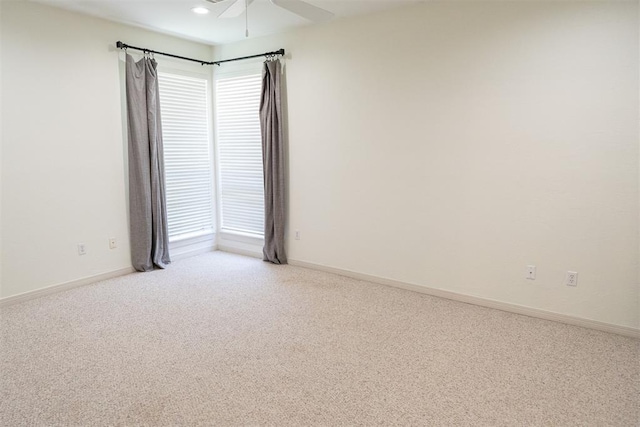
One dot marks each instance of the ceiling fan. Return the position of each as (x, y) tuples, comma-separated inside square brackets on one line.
[(298, 7)]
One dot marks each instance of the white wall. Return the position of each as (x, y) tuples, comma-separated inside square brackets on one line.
[(1, 133), (450, 144), (63, 170)]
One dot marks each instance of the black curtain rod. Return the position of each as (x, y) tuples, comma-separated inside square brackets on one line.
[(121, 45)]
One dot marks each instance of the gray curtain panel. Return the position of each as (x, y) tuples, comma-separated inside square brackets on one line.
[(147, 202), (273, 164)]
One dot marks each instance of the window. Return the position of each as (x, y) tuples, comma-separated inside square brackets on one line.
[(240, 154), (187, 155)]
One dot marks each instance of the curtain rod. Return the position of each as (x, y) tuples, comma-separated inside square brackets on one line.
[(121, 45)]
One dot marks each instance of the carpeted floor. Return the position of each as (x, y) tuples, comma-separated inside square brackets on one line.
[(221, 339)]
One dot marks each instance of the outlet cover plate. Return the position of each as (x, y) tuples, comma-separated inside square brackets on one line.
[(531, 272), (571, 279)]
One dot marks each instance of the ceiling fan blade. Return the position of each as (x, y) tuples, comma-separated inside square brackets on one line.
[(306, 10), (236, 8)]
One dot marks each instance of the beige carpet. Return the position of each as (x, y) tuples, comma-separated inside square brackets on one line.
[(221, 339)]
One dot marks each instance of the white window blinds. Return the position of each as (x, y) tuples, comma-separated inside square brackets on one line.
[(240, 154), (187, 155)]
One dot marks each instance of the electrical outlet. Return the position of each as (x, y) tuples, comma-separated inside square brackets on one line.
[(571, 279), (112, 243), (531, 272), (297, 234), (82, 249)]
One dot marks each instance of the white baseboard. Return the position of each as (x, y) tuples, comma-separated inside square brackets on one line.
[(14, 299), (484, 302), (469, 299), (178, 254)]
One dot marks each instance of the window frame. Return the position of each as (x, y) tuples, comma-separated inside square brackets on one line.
[(207, 239), (246, 240)]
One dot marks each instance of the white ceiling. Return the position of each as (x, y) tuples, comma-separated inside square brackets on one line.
[(176, 18)]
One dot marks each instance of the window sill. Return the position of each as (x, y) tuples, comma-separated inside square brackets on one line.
[(242, 243), (192, 238), (239, 236), (193, 245)]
